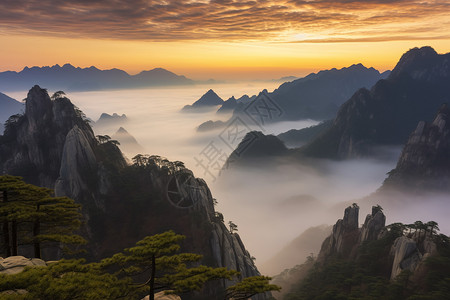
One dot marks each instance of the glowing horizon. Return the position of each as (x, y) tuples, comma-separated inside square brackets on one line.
[(222, 39)]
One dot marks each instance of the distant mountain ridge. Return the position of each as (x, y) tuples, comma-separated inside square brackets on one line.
[(70, 78), (318, 96), (386, 114)]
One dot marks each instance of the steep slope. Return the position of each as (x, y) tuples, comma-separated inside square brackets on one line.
[(295, 138), (386, 114), (128, 144), (228, 105), (53, 145), (8, 107), (318, 96), (425, 160)]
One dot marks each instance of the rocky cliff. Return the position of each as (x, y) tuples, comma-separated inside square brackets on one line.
[(407, 250), (425, 160), (387, 113), (53, 145)]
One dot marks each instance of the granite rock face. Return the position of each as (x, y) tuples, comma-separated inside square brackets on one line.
[(344, 236), (406, 256), (373, 225), (425, 159), (16, 264), (408, 251), (32, 146)]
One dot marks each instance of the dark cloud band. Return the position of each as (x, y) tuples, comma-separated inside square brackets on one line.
[(165, 20)]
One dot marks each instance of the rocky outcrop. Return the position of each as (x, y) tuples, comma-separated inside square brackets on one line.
[(406, 256), (78, 159), (344, 236), (407, 252), (425, 160), (32, 145), (373, 225), (387, 113), (16, 264)]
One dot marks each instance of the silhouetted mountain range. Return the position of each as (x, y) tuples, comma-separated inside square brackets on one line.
[(70, 78), (318, 95), (389, 112)]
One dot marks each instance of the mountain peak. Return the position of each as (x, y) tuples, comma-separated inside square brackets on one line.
[(122, 130), (210, 98), (419, 63)]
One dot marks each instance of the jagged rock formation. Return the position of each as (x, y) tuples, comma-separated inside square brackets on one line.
[(344, 236), (407, 251), (373, 225), (52, 145), (210, 98), (107, 123), (425, 160), (386, 114), (32, 145)]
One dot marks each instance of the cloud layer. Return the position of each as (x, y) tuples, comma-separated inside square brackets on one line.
[(166, 20)]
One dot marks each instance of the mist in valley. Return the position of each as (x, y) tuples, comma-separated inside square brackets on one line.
[(273, 202)]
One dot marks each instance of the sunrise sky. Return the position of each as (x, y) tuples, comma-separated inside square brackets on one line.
[(222, 39)]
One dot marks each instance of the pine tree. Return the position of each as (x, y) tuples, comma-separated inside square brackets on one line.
[(250, 287), (155, 258), (44, 219)]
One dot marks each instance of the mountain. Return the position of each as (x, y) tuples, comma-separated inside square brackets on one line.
[(256, 146), (53, 145), (295, 138), (128, 144), (228, 105), (425, 160), (210, 98), (210, 125), (398, 261), (387, 113), (106, 121), (73, 78), (8, 107), (318, 95)]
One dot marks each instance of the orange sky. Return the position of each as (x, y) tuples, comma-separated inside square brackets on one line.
[(222, 39)]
